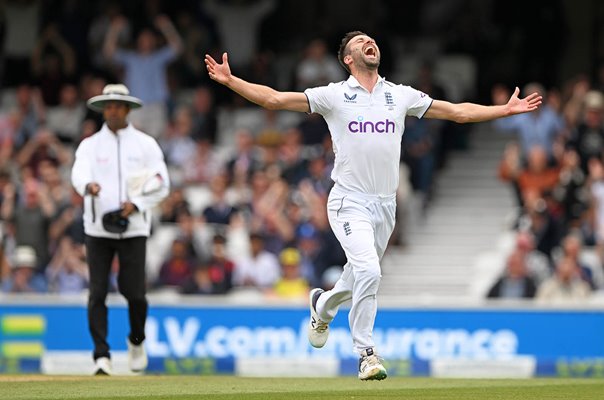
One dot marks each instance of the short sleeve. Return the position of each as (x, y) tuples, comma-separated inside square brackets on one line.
[(320, 99), (417, 102)]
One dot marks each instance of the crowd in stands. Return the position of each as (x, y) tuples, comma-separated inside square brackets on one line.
[(249, 187), (244, 213), (555, 166)]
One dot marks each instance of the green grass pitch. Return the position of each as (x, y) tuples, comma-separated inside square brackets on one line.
[(17, 387)]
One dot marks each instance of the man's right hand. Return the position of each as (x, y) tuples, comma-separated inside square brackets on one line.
[(221, 73), (93, 188)]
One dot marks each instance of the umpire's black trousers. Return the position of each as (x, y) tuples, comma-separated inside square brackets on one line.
[(131, 284)]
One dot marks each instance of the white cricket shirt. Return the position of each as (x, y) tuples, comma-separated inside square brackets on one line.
[(113, 160), (366, 130)]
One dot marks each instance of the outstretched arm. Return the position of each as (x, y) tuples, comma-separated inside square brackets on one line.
[(166, 27), (110, 44), (262, 95), (470, 112)]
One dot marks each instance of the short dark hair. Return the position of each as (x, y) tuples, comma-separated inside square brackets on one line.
[(342, 52)]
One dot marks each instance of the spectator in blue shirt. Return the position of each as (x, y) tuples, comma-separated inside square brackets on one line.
[(541, 128), (145, 70)]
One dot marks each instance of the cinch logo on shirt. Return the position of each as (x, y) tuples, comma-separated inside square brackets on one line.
[(361, 126)]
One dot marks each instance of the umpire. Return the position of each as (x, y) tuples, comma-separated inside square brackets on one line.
[(122, 175)]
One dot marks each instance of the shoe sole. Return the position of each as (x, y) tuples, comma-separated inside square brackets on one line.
[(379, 376), (101, 372), (139, 370)]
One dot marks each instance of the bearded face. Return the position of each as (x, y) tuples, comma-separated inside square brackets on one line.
[(365, 52)]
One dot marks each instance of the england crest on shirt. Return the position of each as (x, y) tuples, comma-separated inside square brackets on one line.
[(389, 100)]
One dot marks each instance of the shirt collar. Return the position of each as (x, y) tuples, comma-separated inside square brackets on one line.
[(106, 129), (352, 81)]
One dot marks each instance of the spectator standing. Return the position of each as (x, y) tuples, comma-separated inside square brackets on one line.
[(99, 27), (588, 137), (18, 43), (238, 24), (53, 64), (31, 217), (541, 128), (145, 70)]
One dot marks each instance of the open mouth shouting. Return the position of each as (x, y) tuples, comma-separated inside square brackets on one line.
[(370, 51)]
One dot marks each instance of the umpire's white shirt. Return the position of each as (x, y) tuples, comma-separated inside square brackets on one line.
[(366, 129), (110, 160)]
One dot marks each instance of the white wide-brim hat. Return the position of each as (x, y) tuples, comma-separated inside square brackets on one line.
[(25, 256), (113, 92)]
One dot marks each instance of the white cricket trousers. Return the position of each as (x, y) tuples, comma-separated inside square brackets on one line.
[(363, 225)]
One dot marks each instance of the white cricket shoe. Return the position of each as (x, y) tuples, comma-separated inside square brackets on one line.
[(370, 366), (318, 330), (102, 366), (137, 357)]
